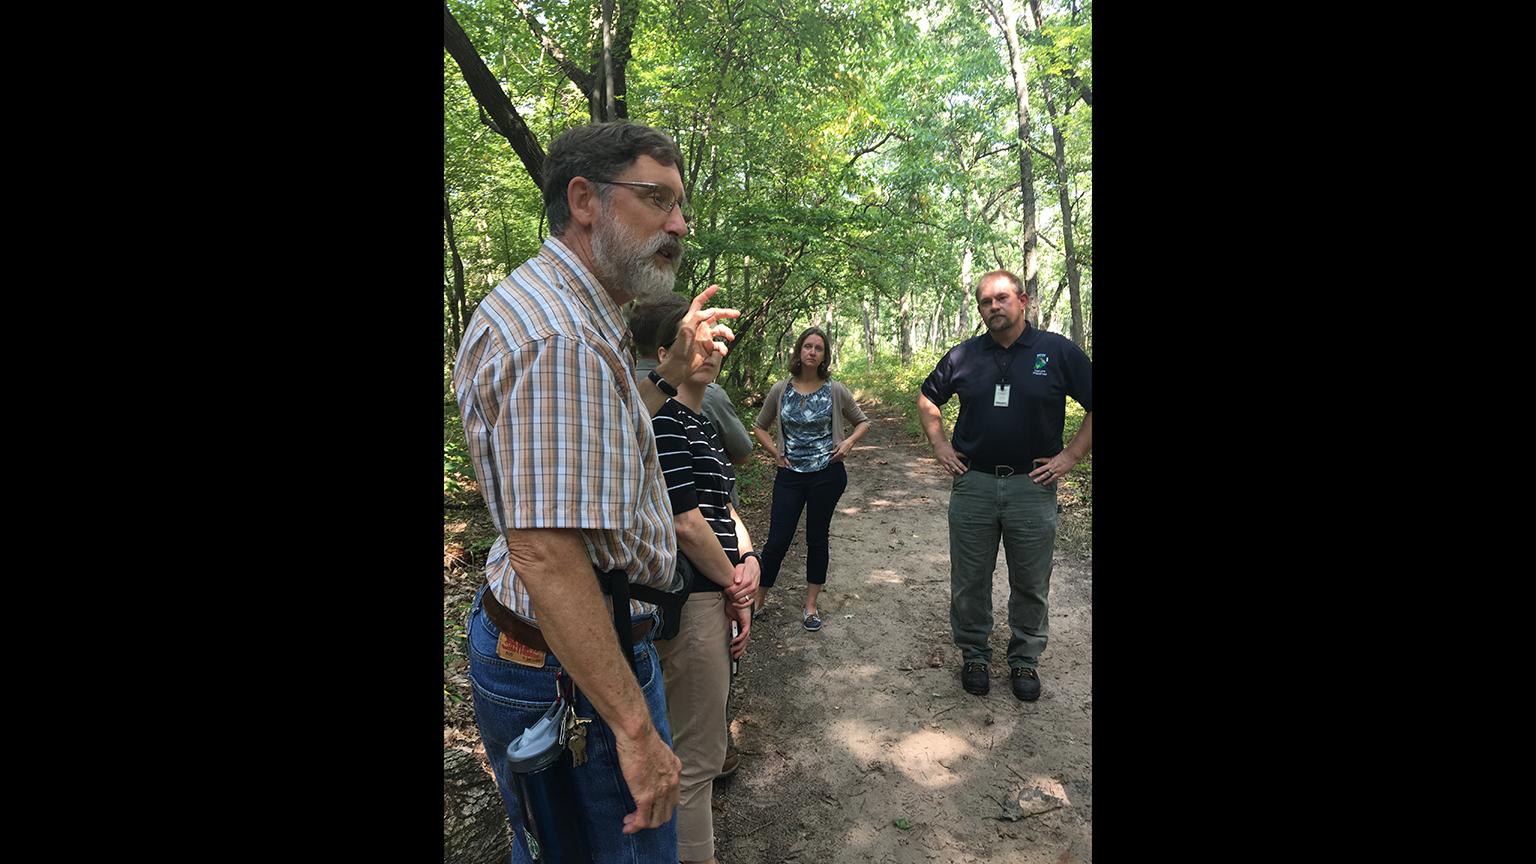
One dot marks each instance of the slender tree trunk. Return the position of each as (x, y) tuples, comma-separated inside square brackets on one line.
[(746, 260), (904, 321), (1050, 307), (828, 324), (1007, 20), (1074, 297), (966, 260), (1068, 249), (869, 336), (930, 334), (609, 111), (621, 39), (456, 300)]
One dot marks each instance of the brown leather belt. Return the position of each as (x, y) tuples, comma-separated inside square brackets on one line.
[(521, 631)]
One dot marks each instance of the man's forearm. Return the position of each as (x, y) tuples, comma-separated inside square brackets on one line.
[(1082, 442), (933, 422), (552, 564)]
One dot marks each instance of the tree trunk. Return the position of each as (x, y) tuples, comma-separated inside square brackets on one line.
[(904, 321), (827, 325), (1050, 307), (492, 98), (475, 826), (869, 336), (931, 334), (621, 39), (1007, 19), (966, 261), (608, 112), (1068, 250), (456, 300)]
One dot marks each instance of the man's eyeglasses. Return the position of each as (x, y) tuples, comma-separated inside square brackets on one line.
[(659, 195)]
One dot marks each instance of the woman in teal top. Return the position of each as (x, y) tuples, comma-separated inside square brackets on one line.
[(814, 414)]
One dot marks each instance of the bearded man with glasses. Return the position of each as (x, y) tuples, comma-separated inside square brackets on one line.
[(561, 438)]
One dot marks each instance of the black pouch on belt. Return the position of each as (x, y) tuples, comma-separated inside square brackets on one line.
[(670, 605)]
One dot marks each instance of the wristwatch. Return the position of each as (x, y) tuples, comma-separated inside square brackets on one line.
[(661, 384), (750, 553)]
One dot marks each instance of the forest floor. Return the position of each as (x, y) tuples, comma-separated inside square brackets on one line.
[(857, 742)]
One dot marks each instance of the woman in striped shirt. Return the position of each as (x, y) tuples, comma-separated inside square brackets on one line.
[(723, 571)]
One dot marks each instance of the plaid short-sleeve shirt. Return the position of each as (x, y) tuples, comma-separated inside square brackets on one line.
[(556, 429)]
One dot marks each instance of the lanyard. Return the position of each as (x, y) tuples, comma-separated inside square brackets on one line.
[(1003, 371)]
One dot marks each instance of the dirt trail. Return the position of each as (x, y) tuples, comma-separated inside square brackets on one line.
[(846, 730)]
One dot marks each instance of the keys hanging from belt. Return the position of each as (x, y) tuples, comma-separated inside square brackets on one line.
[(576, 736), (573, 729)]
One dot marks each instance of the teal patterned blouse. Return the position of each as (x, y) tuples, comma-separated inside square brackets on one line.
[(806, 421)]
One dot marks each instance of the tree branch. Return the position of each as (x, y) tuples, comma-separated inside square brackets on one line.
[(982, 156), (579, 76), (1082, 89), (1049, 156), (492, 98), (986, 215)]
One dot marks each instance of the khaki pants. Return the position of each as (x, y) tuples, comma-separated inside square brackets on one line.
[(696, 670)]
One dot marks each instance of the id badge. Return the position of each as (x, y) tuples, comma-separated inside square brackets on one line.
[(1000, 398)]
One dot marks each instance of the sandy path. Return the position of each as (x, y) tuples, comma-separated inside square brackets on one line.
[(849, 729)]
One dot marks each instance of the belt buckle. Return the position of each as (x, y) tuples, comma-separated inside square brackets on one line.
[(999, 469)]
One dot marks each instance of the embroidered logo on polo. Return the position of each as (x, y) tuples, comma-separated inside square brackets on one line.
[(1040, 362)]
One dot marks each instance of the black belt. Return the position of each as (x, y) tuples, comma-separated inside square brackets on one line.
[(1010, 471), (999, 470), (521, 631)]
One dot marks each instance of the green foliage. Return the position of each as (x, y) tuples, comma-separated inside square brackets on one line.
[(891, 382), (457, 470), (847, 162)]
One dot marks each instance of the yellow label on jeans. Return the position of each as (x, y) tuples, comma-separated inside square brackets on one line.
[(508, 648)]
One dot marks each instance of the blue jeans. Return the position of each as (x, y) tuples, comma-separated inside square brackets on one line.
[(816, 493), (984, 508), (509, 697)]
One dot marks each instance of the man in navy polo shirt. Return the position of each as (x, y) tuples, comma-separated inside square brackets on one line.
[(1006, 458)]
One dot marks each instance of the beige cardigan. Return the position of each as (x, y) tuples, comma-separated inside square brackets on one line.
[(843, 407)]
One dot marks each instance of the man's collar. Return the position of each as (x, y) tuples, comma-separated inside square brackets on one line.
[(607, 315), (1025, 340)]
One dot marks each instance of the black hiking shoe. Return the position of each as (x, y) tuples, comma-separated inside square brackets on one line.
[(976, 678), (1026, 683)]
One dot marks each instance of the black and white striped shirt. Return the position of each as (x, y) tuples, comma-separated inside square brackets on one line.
[(697, 474)]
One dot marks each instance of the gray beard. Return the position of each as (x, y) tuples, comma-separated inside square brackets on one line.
[(626, 263)]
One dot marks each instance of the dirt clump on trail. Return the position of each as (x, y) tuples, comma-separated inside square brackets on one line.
[(857, 742)]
